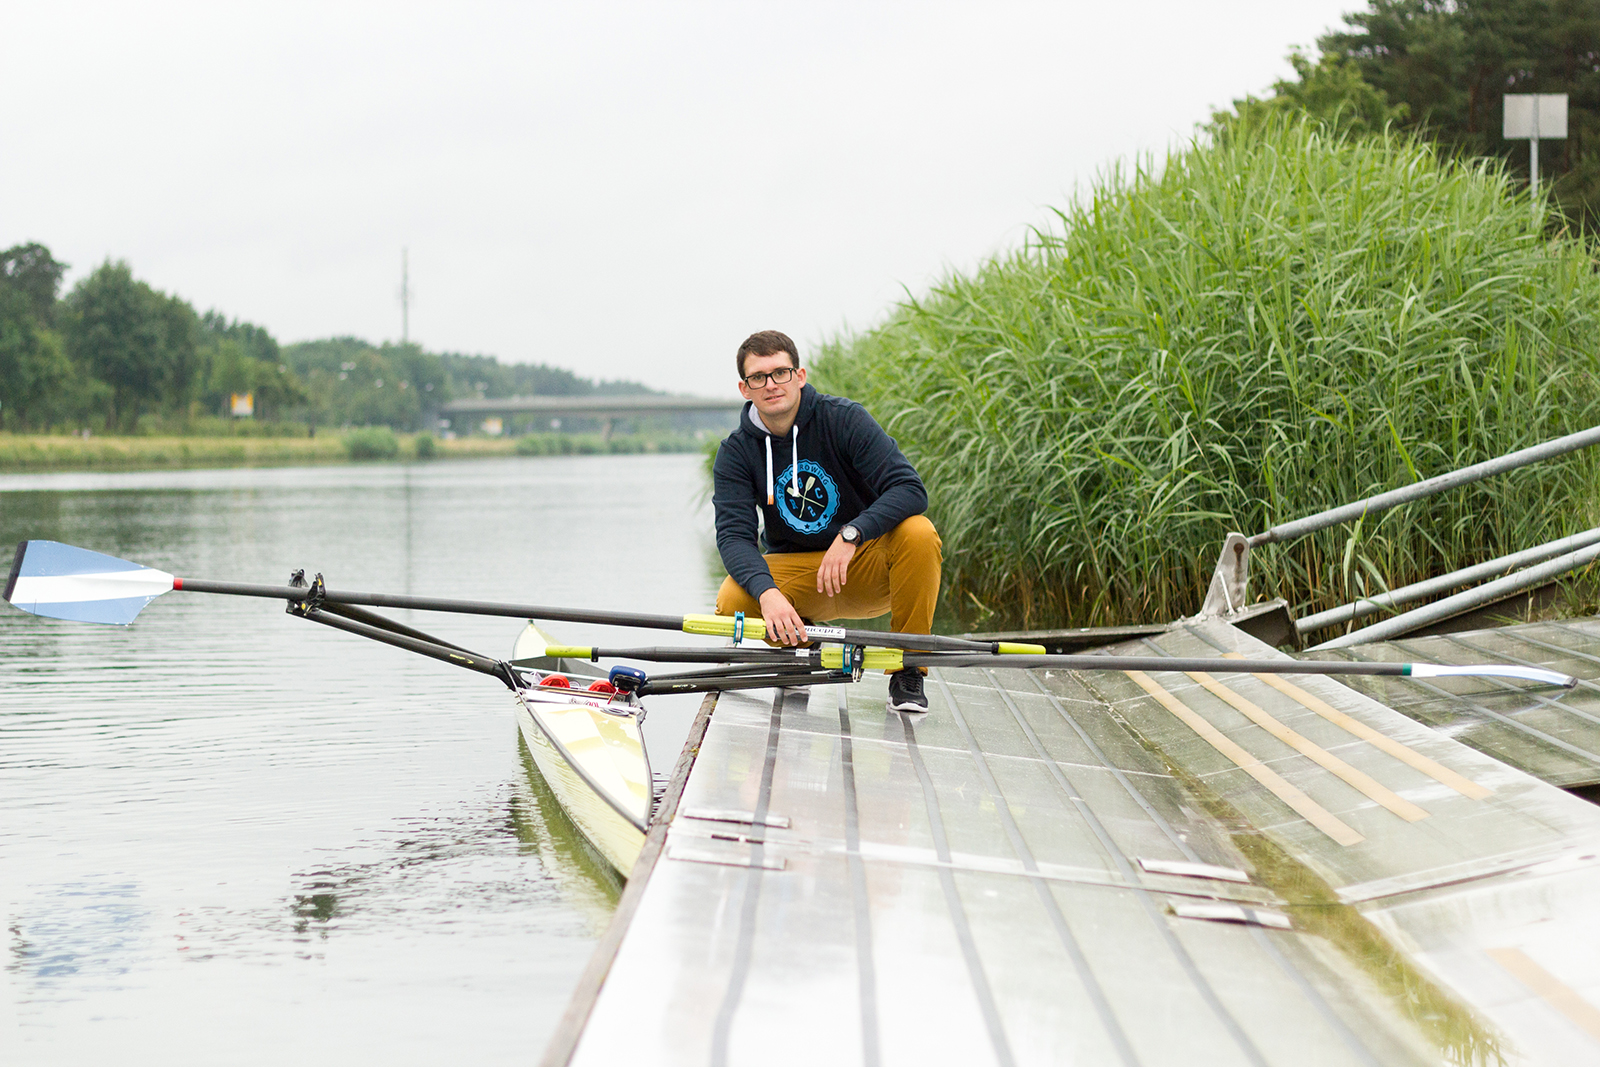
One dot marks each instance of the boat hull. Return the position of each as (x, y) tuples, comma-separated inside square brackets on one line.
[(591, 753)]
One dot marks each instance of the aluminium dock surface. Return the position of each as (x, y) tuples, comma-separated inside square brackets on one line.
[(1551, 735), (1101, 868)]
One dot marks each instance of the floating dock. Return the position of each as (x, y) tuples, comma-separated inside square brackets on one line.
[(1117, 868)]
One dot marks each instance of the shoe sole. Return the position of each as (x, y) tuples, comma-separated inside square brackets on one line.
[(906, 706)]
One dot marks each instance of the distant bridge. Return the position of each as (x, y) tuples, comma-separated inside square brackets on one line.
[(600, 407)]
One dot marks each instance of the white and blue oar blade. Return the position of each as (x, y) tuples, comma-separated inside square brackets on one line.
[(1491, 670), (63, 582)]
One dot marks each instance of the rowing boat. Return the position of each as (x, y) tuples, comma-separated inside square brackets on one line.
[(588, 746)]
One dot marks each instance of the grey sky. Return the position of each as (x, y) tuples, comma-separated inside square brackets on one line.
[(625, 189)]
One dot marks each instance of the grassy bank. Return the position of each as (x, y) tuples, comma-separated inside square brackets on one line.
[(47, 452), (42, 452), (1259, 329)]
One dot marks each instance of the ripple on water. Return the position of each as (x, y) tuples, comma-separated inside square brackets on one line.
[(231, 837)]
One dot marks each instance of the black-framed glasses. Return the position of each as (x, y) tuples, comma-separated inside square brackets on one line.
[(779, 377)]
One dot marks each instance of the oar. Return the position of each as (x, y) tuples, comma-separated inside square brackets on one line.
[(1239, 666), (893, 659), (673, 654), (65, 582)]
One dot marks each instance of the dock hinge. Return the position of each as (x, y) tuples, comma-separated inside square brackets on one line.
[(743, 818), (1185, 869), (1233, 913), (1230, 583)]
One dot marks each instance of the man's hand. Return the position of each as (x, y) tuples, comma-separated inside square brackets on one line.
[(835, 565), (783, 622)]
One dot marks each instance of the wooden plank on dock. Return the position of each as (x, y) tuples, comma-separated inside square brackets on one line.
[(1553, 736)]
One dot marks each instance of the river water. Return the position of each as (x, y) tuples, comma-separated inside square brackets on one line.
[(228, 836)]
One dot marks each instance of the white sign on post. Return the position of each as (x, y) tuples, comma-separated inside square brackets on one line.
[(1536, 117)]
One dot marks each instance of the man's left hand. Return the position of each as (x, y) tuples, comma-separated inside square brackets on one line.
[(835, 565)]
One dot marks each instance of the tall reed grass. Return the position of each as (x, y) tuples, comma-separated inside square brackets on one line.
[(1267, 325)]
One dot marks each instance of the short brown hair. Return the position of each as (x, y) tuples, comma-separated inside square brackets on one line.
[(767, 343)]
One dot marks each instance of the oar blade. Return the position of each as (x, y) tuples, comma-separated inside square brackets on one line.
[(1492, 670), (65, 582)]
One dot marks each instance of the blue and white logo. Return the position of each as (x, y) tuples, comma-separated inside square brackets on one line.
[(811, 509)]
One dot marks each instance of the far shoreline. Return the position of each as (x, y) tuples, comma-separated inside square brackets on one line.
[(68, 453)]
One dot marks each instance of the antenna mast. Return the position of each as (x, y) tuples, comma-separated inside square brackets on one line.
[(405, 298)]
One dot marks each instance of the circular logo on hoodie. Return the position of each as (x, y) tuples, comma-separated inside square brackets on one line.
[(812, 506)]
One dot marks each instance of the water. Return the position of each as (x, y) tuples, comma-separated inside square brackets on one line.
[(228, 836)]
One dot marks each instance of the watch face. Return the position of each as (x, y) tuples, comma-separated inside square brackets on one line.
[(850, 534)]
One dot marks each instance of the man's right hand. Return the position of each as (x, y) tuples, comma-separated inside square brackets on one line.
[(783, 622)]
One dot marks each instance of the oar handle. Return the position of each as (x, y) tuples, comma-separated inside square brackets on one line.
[(755, 629)]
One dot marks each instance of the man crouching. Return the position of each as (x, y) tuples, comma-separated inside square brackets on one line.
[(841, 509)]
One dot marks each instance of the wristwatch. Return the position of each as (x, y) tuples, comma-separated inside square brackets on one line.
[(850, 535)]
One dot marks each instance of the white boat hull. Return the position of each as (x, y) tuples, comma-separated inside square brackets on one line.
[(591, 753)]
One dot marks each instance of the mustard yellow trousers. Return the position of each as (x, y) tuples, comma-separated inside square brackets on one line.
[(896, 573)]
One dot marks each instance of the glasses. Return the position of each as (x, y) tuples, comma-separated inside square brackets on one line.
[(778, 377)]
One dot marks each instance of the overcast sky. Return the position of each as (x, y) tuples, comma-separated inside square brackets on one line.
[(624, 189)]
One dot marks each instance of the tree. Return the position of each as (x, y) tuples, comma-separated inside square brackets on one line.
[(1330, 90), (1451, 61), (31, 271), (139, 341), (33, 368), (241, 357)]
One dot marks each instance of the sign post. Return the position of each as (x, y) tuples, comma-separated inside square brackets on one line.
[(1534, 116)]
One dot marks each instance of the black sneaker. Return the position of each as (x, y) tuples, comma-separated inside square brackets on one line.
[(905, 691)]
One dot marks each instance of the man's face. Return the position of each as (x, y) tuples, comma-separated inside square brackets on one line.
[(771, 399)]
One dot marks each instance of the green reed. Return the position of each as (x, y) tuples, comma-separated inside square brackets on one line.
[(1265, 326)]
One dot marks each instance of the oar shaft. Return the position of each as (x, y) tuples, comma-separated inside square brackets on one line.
[(1241, 666), (426, 603), (669, 654), (667, 685), (1158, 663), (710, 625)]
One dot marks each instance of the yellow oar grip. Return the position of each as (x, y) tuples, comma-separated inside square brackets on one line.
[(569, 651), (722, 626), (1011, 648), (874, 659)]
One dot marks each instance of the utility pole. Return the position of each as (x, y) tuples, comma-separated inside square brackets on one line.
[(405, 297)]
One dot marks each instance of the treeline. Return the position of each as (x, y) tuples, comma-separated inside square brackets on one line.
[(116, 355), (1439, 69)]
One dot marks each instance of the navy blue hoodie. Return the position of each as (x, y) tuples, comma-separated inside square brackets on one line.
[(849, 472)]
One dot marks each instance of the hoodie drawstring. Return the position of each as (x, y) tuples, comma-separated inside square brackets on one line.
[(794, 454), (794, 476)]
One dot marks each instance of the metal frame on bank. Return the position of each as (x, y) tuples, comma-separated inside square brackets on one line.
[(1228, 594)]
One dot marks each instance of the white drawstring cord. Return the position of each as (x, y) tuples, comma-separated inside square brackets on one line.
[(794, 453), (794, 474), (770, 500)]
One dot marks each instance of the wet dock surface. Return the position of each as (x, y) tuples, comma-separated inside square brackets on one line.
[(1102, 867), (1551, 735)]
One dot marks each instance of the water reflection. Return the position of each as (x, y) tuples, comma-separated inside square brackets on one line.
[(228, 836), (588, 883), (93, 931)]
